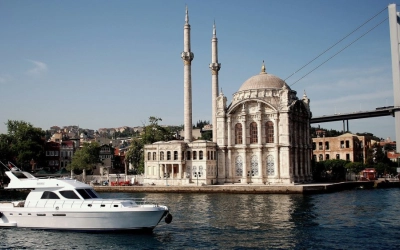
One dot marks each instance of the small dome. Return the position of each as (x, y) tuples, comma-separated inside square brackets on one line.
[(262, 81)]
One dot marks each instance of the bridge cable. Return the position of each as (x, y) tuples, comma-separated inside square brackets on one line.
[(335, 44), (340, 51)]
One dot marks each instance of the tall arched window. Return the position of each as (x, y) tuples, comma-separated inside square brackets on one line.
[(154, 156), (269, 131), (238, 133), (194, 155), (201, 155), (161, 155), (253, 133), (168, 155), (148, 156), (239, 166)]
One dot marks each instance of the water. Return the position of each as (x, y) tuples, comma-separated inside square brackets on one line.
[(357, 219)]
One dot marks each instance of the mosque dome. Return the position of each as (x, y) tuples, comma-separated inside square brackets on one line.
[(262, 81)]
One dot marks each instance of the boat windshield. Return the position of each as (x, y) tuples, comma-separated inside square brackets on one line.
[(87, 193)]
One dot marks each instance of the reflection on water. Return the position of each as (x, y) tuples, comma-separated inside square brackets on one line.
[(235, 221)]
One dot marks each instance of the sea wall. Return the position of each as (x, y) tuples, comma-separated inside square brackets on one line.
[(242, 189)]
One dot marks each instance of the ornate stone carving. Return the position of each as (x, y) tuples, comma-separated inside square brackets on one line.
[(215, 67), (187, 57)]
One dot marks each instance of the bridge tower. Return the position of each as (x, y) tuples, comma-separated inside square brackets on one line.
[(394, 25)]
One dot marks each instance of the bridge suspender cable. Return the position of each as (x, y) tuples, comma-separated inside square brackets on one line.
[(335, 45)]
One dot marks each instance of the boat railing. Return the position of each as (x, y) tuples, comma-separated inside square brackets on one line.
[(89, 202)]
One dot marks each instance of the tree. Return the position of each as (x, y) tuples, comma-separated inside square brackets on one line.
[(85, 158), (25, 143), (135, 156)]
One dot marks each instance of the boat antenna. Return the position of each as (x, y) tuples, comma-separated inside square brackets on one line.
[(5, 166)]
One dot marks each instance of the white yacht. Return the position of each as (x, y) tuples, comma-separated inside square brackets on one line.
[(67, 204)]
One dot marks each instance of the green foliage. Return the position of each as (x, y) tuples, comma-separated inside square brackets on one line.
[(329, 170), (135, 155), (201, 124), (86, 157), (22, 143), (206, 135), (355, 167)]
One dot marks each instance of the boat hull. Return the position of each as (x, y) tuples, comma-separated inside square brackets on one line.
[(144, 220)]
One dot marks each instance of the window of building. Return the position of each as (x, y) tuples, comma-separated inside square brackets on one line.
[(253, 133), (148, 156), (239, 166), (269, 131), (238, 133), (341, 144), (194, 155), (327, 157), (161, 155), (200, 155), (175, 155), (347, 144), (168, 155), (320, 145), (314, 145), (321, 157), (270, 165), (208, 155), (337, 157), (347, 157), (154, 156), (188, 155), (327, 145)]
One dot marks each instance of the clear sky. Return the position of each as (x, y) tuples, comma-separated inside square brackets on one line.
[(104, 64)]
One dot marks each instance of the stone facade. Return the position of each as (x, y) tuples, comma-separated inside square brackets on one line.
[(347, 147), (261, 137)]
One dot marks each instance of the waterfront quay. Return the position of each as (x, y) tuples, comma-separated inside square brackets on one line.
[(251, 189)]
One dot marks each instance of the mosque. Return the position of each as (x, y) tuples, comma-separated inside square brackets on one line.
[(262, 137)]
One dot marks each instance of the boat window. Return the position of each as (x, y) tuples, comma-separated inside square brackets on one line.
[(49, 195), (69, 194), (91, 193), (83, 193)]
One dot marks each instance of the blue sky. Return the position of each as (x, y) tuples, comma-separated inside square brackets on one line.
[(103, 64)]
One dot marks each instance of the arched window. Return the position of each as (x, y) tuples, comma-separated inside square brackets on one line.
[(254, 165), (161, 155), (194, 155), (201, 155), (270, 165), (148, 156), (168, 155), (188, 155), (154, 156), (253, 133), (239, 166), (269, 131), (238, 133), (175, 155)]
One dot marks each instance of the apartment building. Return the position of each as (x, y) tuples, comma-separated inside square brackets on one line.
[(347, 147)]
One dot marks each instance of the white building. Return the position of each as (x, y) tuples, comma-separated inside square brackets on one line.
[(261, 137)]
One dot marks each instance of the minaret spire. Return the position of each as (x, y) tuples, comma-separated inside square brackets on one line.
[(215, 67), (187, 57)]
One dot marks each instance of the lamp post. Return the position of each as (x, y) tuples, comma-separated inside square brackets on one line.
[(166, 175), (197, 175)]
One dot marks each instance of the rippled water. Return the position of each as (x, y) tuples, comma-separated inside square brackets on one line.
[(357, 219)]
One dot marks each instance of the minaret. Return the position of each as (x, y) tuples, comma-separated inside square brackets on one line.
[(215, 67), (187, 57)]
